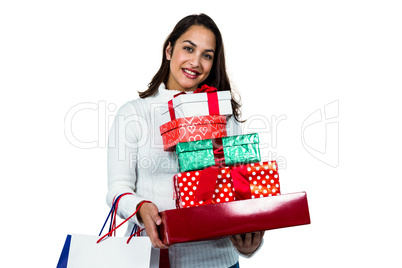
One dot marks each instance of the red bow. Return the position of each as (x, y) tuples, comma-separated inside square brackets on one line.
[(205, 88), (206, 185)]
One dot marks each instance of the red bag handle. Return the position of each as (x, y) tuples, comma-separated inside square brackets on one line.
[(113, 212)]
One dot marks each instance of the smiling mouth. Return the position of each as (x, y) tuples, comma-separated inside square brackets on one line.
[(191, 73)]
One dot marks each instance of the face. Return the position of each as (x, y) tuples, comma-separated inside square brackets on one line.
[(191, 58)]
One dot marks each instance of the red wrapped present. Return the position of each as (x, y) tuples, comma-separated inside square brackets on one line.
[(192, 129), (186, 186), (219, 220), (225, 184)]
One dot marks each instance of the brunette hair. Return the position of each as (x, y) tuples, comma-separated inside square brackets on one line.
[(217, 78)]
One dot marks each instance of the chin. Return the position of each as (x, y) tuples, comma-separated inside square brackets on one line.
[(190, 87)]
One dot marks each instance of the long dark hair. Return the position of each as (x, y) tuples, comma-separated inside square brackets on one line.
[(217, 78)]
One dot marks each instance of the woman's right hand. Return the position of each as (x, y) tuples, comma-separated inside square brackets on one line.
[(149, 215)]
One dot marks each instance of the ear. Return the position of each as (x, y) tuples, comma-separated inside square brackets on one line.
[(168, 51)]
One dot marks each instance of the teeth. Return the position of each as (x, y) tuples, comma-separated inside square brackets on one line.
[(190, 72)]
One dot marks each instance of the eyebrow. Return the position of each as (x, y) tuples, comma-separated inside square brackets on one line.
[(192, 43)]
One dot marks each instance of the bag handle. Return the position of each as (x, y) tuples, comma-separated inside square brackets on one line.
[(113, 213)]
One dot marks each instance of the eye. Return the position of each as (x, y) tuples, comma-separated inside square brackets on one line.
[(189, 49), (208, 57)]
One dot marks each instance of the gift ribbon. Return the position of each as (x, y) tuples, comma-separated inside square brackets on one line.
[(206, 185), (207, 181), (217, 147), (170, 106), (212, 95), (205, 88)]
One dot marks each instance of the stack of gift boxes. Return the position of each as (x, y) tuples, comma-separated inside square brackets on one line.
[(213, 167)]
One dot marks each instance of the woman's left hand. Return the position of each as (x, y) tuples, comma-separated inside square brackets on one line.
[(247, 243)]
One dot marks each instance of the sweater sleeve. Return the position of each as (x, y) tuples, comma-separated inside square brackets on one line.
[(124, 139)]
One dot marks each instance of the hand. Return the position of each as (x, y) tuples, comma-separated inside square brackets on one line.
[(149, 215), (247, 243)]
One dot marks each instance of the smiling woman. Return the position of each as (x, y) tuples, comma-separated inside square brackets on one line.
[(193, 56)]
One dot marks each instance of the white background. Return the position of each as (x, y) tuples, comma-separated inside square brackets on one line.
[(286, 58)]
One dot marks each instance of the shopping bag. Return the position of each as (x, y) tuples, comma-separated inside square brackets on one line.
[(83, 251)]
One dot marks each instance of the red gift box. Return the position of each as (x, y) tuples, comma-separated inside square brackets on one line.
[(192, 129), (226, 184), (225, 219), (186, 187)]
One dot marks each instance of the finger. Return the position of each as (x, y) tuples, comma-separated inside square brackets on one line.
[(153, 212), (159, 244), (262, 234), (257, 236), (239, 240), (247, 239), (151, 220), (156, 218), (234, 241), (154, 237), (257, 239)]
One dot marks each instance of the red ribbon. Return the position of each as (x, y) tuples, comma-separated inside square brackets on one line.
[(207, 181), (241, 182), (219, 156), (206, 185), (113, 230), (212, 95), (170, 106), (205, 88)]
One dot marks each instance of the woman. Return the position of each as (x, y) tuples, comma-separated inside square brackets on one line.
[(193, 56)]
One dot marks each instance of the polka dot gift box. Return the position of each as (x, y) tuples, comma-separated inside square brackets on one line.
[(264, 179), (226, 184)]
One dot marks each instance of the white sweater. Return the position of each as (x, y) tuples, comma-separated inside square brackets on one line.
[(137, 164)]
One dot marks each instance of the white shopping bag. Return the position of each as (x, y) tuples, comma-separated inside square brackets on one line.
[(83, 251), (87, 251)]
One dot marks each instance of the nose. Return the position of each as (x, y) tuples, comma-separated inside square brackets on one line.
[(194, 61)]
